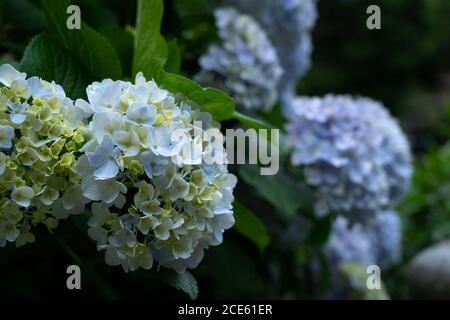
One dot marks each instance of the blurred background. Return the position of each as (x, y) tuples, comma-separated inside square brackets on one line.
[(406, 65)]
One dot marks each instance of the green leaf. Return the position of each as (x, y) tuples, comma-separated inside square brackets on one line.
[(90, 47), (151, 54), (182, 281), (211, 100), (90, 10), (279, 190), (215, 102), (173, 63), (46, 59), (122, 41), (149, 46), (250, 226)]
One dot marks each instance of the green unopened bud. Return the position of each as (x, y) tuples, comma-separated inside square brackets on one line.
[(67, 132), (71, 146), (67, 160), (18, 182), (56, 130), (78, 138), (44, 113), (11, 165), (57, 147)]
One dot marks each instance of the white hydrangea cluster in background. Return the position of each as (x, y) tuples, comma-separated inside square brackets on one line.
[(41, 132), (244, 64), (353, 152), (150, 202), (288, 24)]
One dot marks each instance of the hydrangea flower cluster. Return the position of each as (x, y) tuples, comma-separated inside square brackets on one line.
[(359, 246), (288, 24), (349, 243), (41, 132), (244, 64), (151, 201), (386, 233), (353, 152), (378, 242)]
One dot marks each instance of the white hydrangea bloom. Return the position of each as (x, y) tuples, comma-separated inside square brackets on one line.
[(244, 64), (353, 152), (174, 208), (41, 132)]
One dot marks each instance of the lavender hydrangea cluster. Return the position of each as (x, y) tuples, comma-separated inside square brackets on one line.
[(378, 242), (244, 64), (349, 243), (288, 24), (353, 152), (385, 232), (359, 246)]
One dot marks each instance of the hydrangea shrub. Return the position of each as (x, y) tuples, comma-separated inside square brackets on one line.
[(132, 157)]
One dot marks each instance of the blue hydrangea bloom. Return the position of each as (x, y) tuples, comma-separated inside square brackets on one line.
[(244, 64), (387, 238), (353, 152), (349, 243), (378, 242), (288, 24)]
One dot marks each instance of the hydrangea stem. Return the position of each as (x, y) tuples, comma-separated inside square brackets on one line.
[(251, 122)]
